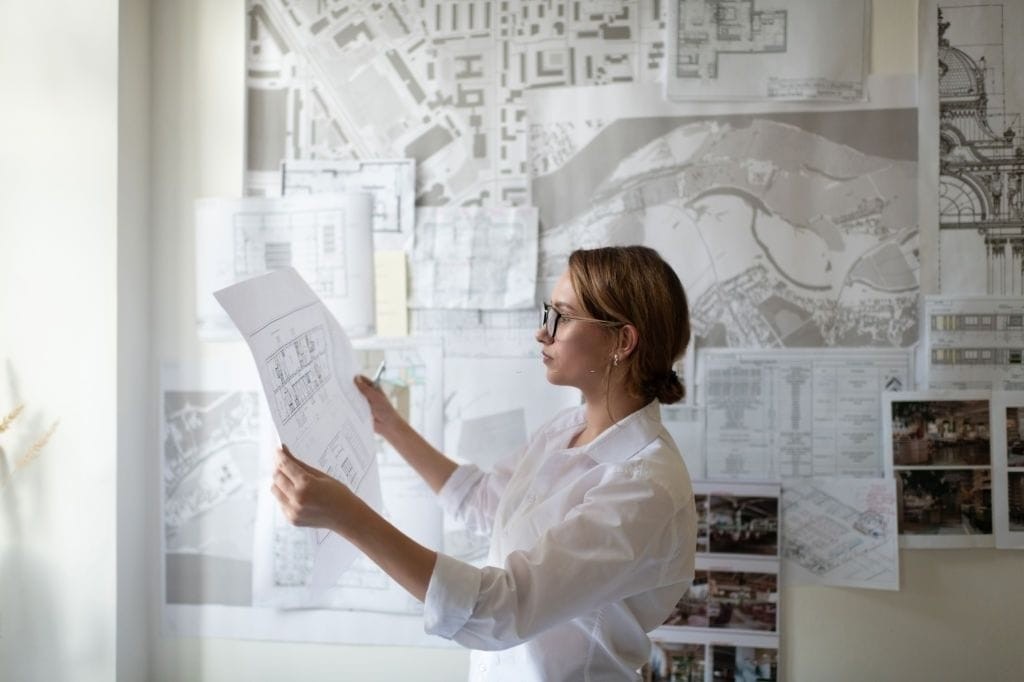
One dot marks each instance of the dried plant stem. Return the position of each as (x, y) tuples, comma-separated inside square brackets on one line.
[(32, 453), (9, 419)]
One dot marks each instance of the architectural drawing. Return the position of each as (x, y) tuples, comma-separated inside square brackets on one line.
[(319, 413), (439, 82), (974, 342), (327, 238), (787, 228), (474, 258), (840, 531), (391, 182), (210, 456), (790, 413), (752, 49), (413, 383), (981, 149)]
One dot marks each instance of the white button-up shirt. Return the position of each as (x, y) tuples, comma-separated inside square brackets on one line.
[(591, 548)]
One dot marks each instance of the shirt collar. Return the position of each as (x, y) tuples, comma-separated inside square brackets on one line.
[(624, 438)]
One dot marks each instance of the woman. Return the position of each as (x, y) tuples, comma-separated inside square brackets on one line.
[(592, 525)]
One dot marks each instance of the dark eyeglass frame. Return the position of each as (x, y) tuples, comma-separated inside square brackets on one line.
[(550, 315)]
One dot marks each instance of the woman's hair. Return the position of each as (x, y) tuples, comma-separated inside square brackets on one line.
[(634, 285)]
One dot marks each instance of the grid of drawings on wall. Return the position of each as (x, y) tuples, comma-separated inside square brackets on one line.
[(726, 624), (938, 447)]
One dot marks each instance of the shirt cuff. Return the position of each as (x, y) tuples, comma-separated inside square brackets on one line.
[(457, 487), (451, 595)]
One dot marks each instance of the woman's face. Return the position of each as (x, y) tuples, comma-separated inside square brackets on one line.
[(581, 351)]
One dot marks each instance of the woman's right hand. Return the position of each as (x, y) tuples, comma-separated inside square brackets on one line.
[(386, 419)]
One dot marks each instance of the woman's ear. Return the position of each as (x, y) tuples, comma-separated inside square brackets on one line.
[(627, 340)]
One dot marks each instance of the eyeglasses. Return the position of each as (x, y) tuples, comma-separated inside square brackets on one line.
[(549, 317)]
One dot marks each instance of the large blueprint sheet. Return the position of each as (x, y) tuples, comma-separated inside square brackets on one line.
[(413, 383), (474, 258), (327, 238), (391, 182), (974, 342), (305, 363), (840, 531), (786, 49), (797, 413)]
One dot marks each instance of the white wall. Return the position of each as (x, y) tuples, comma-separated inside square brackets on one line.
[(58, 238)]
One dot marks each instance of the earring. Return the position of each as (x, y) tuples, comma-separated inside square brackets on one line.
[(615, 360)]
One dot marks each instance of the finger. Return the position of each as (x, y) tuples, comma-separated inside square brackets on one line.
[(288, 466), (284, 484), (287, 455), (281, 497), (366, 386)]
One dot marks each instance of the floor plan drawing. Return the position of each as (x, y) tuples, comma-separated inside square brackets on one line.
[(840, 531), (391, 183), (327, 238), (776, 49), (474, 258), (709, 29)]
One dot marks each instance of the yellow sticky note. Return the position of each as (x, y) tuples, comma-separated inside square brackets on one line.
[(390, 282)]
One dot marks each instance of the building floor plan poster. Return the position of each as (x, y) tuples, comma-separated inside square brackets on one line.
[(326, 238), (439, 82), (974, 342), (412, 381), (474, 258), (840, 531), (972, 105), (779, 49), (938, 448), (726, 625), (391, 183), (1008, 468), (787, 226), (790, 413), (305, 362)]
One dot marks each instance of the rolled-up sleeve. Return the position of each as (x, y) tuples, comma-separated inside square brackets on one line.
[(627, 536), (471, 495)]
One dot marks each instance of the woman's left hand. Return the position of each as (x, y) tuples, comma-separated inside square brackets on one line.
[(308, 496)]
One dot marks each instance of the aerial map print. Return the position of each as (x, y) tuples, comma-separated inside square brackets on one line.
[(440, 82), (786, 228)]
